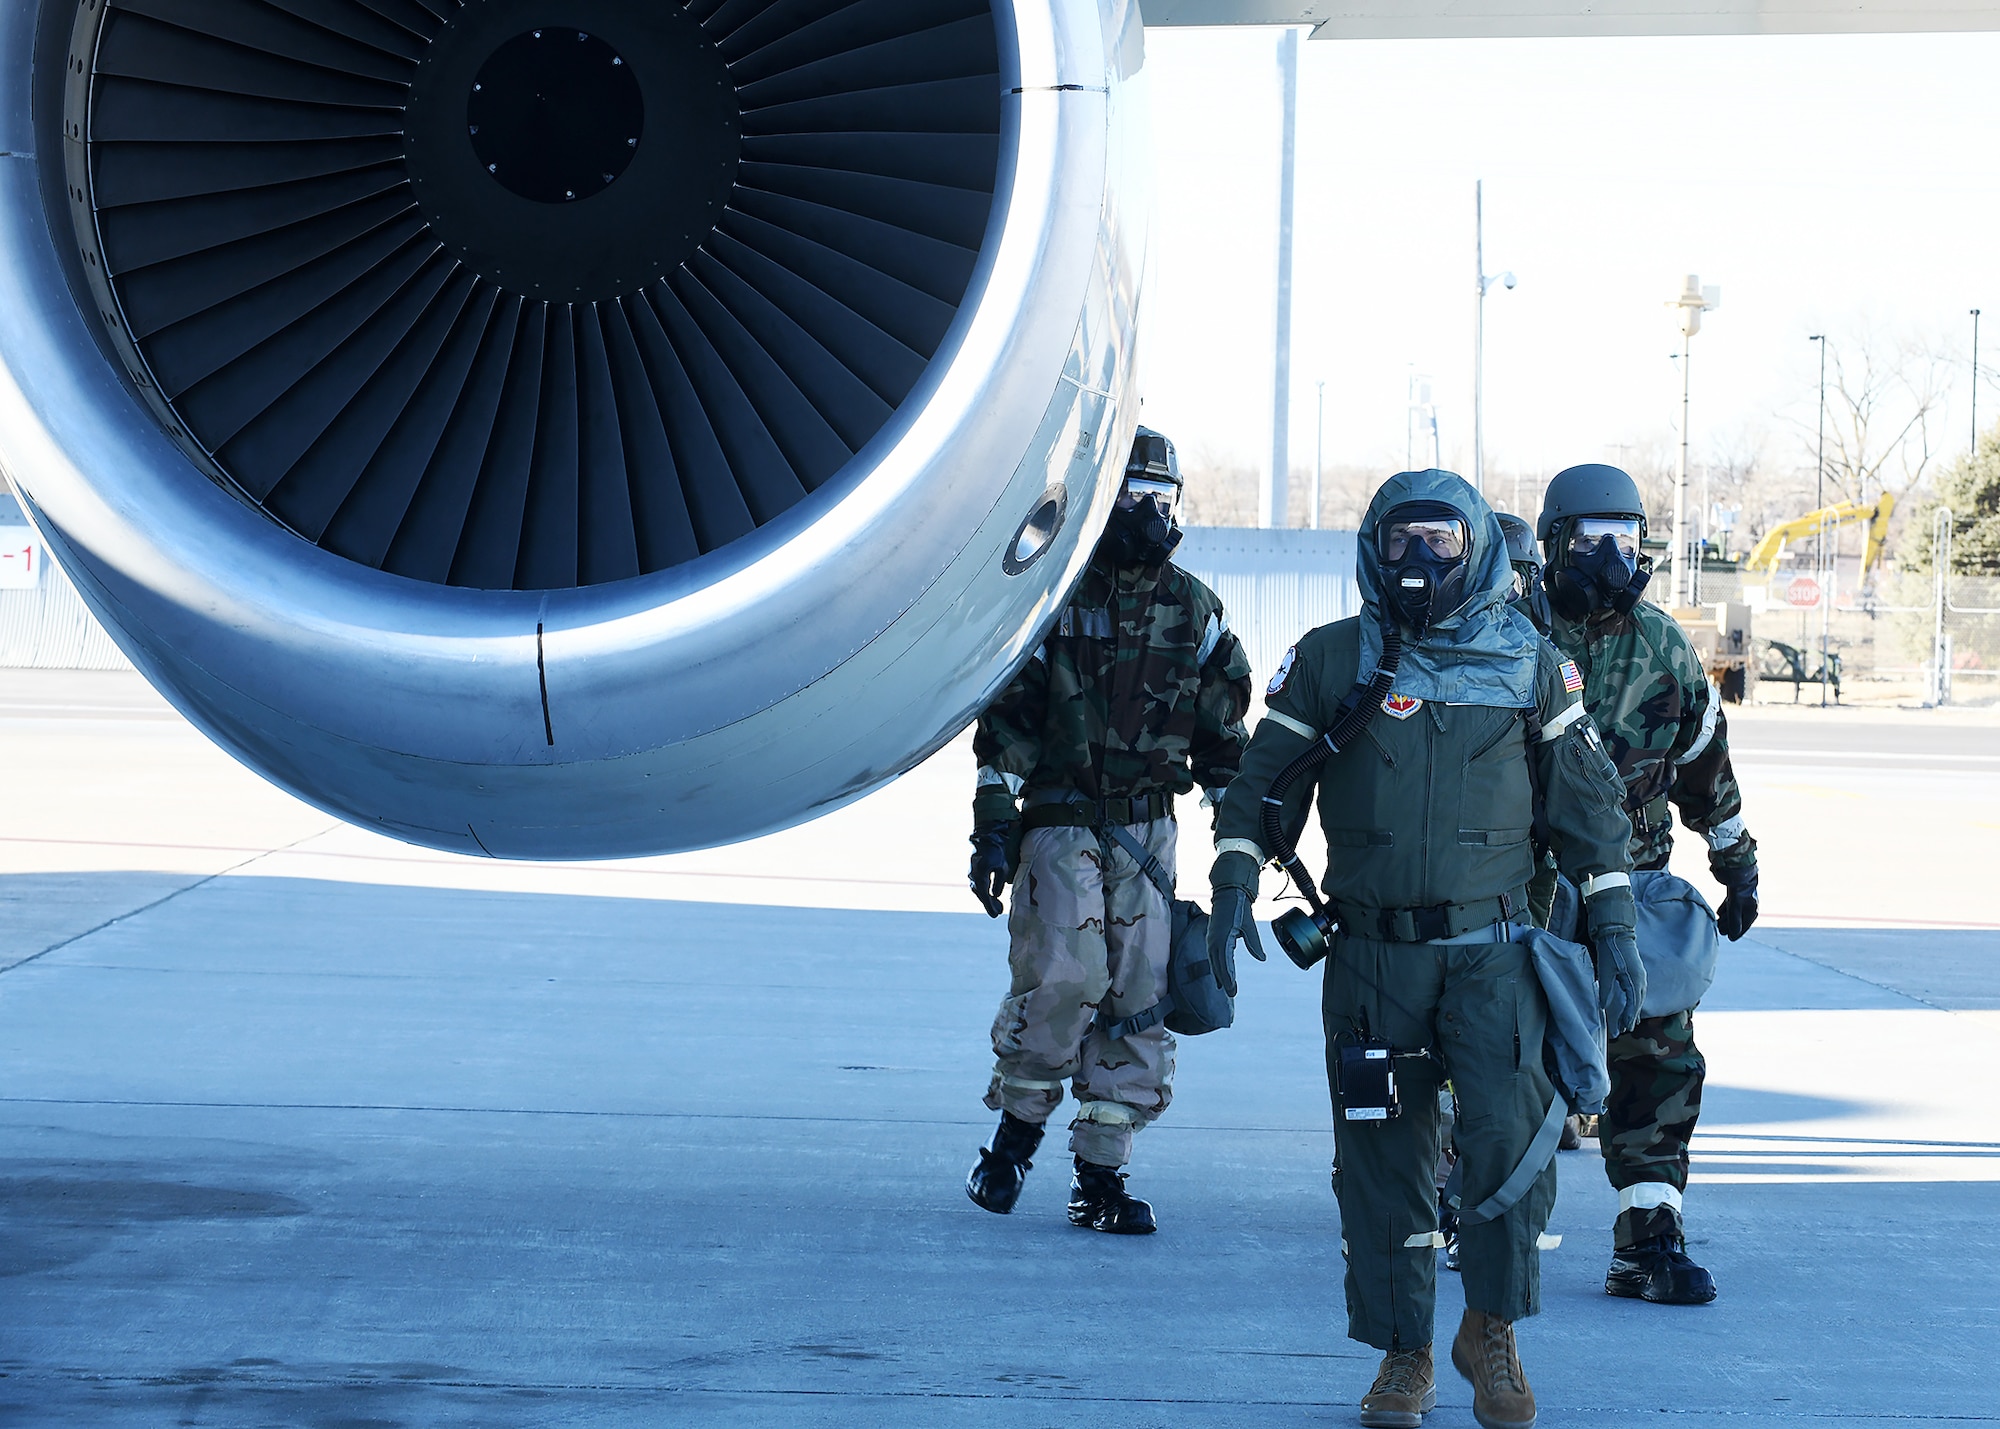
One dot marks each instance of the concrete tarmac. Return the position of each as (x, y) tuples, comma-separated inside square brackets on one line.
[(302, 1127)]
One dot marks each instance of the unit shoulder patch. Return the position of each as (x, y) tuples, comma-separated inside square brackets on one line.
[(1284, 670), (1572, 677), (1401, 706)]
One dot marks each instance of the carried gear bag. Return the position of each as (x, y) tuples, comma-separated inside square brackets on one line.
[(1678, 940), (1575, 1033), (1200, 997)]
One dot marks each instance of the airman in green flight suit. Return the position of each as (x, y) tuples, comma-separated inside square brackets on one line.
[(1429, 815)]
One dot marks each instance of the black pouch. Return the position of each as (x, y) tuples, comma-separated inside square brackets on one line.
[(1367, 1071)]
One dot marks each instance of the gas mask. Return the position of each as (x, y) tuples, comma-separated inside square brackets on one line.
[(1528, 596), (1600, 569), (1422, 548), (1142, 530)]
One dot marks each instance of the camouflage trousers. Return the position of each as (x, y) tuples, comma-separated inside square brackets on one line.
[(1656, 1077), (1087, 931)]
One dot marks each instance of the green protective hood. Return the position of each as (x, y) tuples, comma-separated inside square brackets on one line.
[(1484, 652)]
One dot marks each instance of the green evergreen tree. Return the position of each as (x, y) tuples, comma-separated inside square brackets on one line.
[(1971, 488)]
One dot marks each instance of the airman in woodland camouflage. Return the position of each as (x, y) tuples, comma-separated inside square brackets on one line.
[(1662, 724), (1137, 695)]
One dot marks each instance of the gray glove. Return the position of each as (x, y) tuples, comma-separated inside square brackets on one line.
[(1232, 883), (1621, 977)]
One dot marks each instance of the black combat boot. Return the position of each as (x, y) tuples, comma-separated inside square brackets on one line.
[(1448, 1228), (1657, 1267), (995, 1183), (1097, 1199)]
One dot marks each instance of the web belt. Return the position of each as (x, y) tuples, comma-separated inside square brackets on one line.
[(1077, 812), (1427, 925)]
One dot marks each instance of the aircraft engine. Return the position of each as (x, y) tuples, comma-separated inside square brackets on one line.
[(570, 428)]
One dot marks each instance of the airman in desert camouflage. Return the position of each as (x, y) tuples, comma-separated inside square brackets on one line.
[(1137, 695)]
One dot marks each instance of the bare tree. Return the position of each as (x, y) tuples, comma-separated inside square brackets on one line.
[(1219, 491), (1884, 402)]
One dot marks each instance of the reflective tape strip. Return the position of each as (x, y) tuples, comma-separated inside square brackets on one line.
[(989, 775), (1028, 1084), (1709, 717), (1553, 728), (1041, 653), (1109, 1114), (1422, 1239), (1211, 636), (1545, 1241), (1649, 1195), (1726, 833), (1606, 880), (1223, 846), (1285, 721)]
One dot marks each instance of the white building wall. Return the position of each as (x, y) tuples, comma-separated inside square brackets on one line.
[(1275, 584)]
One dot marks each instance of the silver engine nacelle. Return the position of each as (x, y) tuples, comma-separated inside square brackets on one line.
[(618, 478)]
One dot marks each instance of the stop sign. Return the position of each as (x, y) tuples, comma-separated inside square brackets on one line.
[(1803, 591)]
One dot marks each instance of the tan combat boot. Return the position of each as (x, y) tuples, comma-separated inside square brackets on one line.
[(1484, 1353), (1405, 1391)]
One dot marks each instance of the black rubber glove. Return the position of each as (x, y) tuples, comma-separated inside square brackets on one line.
[(1621, 977), (1739, 909), (1232, 882), (992, 870)]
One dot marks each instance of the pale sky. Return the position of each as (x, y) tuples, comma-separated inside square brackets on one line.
[(1826, 183)]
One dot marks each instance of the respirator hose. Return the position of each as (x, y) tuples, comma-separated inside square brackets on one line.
[(1357, 711)]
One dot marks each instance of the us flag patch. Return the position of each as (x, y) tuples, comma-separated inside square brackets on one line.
[(1572, 681)]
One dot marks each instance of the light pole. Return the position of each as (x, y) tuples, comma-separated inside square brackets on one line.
[(1819, 504), (1691, 304), (1479, 334), (1319, 455), (1274, 502), (1975, 383)]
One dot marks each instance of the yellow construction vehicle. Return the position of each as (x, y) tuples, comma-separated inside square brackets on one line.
[(1764, 557)]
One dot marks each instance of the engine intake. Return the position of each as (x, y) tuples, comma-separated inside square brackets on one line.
[(461, 294)]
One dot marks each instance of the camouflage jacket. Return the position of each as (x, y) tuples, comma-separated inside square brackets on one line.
[(1139, 688), (1663, 726)]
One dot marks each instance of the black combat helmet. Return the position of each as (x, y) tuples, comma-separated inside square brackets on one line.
[(1153, 455), (1520, 536), (1589, 490)]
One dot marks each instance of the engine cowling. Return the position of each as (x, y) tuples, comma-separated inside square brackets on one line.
[(572, 429)]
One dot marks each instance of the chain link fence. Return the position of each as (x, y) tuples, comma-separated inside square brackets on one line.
[(1883, 639)]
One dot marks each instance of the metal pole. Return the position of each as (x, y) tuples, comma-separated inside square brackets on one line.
[(1319, 455), (1819, 504), (1680, 587), (1975, 382), (1701, 534), (1479, 337), (1274, 502), (1410, 420), (1940, 661)]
